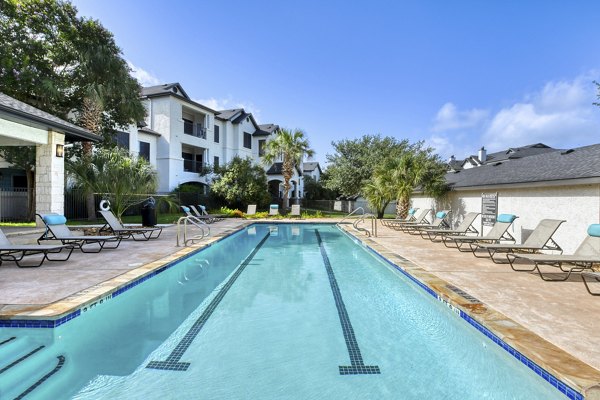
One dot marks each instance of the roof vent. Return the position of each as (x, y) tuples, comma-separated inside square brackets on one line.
[(174, 90), (496, 164), (567, 151)]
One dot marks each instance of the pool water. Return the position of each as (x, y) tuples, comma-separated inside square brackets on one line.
[(289, 311)]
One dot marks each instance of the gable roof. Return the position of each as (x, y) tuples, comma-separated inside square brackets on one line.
[(266, 129), (23, 110), (172, 89), (556, 165), (276, 169), (237, 115), (513, 153), (311, 166)]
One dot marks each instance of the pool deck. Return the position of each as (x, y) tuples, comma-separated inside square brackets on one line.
[(552, 323)]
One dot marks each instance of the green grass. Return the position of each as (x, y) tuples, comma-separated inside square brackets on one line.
[(18, 224)]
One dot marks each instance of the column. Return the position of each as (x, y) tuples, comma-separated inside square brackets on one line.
[(49, 176)]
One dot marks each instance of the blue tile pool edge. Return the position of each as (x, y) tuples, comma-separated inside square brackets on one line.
[(56, 322), (564, 388)]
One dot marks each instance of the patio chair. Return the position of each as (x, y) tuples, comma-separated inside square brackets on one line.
[(499, 232), (115, 227), (465, 227), (584, 258), (539, 239), (215, 217), (251, 209), (295, 211), (595, 276), (274, 209), (16, 252), (419, 218), (193, 211), (56, 229), (439, 222), (409, 217)]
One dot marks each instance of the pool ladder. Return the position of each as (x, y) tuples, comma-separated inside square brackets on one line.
[(359, 219), (182, 230)]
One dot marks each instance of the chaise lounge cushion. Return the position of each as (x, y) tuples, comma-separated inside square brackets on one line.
[(52, 219), (594, 230), (506, 218)]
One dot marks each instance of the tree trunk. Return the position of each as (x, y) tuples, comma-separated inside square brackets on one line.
[(89, 196), (402, 206), (287, 171), (30, 195)]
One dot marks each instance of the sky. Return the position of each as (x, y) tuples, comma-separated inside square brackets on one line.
[(458, 75)]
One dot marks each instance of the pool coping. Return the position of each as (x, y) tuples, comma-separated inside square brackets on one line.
[(568, 374), (571, 376)]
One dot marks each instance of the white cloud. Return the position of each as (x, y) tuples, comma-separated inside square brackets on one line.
[(230, 103), (450, 118), (144, 77), (561, 114)]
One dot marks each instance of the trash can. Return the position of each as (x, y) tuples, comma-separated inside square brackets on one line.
[(149, 212)]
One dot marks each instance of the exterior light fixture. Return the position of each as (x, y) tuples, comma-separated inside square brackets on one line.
[(60, 150)]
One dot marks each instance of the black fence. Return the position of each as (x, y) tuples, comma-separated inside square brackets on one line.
[(13, 204)]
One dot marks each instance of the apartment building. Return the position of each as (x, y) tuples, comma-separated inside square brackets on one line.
[(181, 137)]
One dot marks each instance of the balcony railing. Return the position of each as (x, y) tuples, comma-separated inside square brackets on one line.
[(197, 130), (195, 166)]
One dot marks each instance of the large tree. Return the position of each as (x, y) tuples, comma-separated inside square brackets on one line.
[(68, 66), (240, 182), (289, 146), (355, 160)]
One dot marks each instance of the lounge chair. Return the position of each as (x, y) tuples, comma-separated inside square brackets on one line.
[(499, 232), (586, 255), (16, 252), (464, 228), (207, 219), (214, 217), (56, 229), (595, 276), (251, 209), (539, 239), (295, 211), (438, 222), (419, 218), (274, 209), (115, 227), (409, 217)]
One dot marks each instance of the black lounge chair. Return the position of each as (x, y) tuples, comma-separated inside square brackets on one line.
[(115, 227), (56, 229), (464, 228), (539, 239), (584, 258), (16, 252), (215, 217), (499, 232)]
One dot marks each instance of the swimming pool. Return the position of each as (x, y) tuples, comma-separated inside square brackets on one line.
[(289, 311)]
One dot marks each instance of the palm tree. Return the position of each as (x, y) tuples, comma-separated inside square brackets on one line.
[(289, 146), (120, 178), (379, 191), (416, 168)]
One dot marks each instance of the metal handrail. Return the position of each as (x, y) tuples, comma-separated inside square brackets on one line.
[(373, 219), (351, 214), (204, 229)]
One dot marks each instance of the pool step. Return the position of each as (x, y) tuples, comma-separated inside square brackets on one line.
[(24, 367)]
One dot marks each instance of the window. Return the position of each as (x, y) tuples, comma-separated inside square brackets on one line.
[(188, 127), (216, 162), (145, 150), (217, 134), (247, 140), (122, 139), (261, 147)]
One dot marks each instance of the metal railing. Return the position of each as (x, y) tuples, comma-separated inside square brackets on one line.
[(196, 222), (359, 219)]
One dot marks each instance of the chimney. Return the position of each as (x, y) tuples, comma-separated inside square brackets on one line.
[(482, 155), (451, 159)]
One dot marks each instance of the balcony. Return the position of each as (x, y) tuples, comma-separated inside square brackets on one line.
[(196, 166), (194, 129)]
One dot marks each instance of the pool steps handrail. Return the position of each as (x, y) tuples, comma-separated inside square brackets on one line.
[(197, 222), (360, 218)]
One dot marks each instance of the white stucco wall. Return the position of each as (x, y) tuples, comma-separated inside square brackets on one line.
[(579, 205)]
